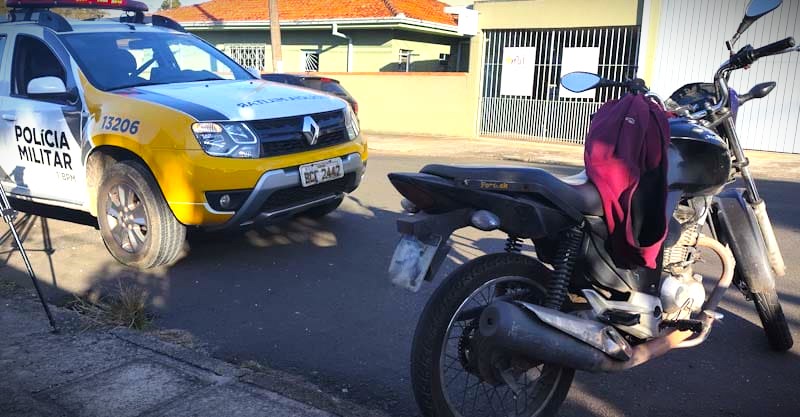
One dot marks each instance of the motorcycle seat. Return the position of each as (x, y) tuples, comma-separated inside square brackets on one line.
[(576, 190)]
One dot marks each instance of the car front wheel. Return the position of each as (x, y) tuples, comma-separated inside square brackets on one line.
[(136, 224)]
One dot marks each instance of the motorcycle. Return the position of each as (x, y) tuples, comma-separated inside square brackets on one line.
[(505, 332)]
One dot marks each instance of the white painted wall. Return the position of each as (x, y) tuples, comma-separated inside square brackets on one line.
[(691, 46)]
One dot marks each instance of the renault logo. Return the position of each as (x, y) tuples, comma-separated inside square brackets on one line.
[(310, 130)]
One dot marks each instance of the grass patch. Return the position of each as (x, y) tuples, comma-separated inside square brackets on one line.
[(127, 307)]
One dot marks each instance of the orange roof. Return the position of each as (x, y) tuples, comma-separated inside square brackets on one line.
[(293, 10)]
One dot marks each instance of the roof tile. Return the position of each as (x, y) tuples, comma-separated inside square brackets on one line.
[(293, 10)]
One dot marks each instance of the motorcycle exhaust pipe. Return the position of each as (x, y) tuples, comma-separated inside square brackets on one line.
[(508, 327)]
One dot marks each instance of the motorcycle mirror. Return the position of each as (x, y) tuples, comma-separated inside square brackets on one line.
[(755, 10), (578, 82)]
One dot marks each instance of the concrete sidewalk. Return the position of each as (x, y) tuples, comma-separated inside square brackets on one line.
[(763, 164), (122, 373)]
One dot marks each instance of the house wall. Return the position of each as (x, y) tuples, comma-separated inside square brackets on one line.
[(518, 14), (373, 50), (437, 104), (426, 50)]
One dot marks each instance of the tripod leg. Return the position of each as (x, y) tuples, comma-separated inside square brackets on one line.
[(8, 215), (31, 274)]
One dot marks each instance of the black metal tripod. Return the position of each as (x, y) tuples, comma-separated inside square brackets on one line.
[(9, 214)]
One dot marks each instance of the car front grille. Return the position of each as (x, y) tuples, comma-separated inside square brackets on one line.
[(285, 135), (295, 196)]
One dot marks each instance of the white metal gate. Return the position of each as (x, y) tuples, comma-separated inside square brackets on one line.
[(690, 47), (248, 55), (543, 114)]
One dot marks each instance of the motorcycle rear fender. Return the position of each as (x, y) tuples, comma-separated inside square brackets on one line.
[(522, 216), (736, 225)]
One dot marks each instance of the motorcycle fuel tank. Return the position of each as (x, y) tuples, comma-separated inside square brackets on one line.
[(699, 161)]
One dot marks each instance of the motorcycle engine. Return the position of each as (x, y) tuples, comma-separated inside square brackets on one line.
[(682, 292), (681, 289)]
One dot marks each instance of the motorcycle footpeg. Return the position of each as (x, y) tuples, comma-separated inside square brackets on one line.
[(695, 326), (619, 318)]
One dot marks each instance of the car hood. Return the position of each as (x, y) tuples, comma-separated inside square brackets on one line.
[(236, 100)]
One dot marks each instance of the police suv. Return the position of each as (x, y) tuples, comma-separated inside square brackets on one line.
[(152, 130)]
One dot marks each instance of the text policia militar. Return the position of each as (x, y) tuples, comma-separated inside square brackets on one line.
[(43, 146)]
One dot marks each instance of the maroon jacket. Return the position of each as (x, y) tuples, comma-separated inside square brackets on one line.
[(626, 158)]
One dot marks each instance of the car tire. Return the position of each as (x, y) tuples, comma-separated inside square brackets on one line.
[(136, 223), (323, 210)]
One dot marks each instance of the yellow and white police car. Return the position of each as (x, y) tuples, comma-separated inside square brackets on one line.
[(151, 129)]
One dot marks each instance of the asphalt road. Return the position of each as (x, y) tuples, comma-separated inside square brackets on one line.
[(312, 298)]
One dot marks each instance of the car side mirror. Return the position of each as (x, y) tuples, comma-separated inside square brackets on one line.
[(50, 88), (46, 86)]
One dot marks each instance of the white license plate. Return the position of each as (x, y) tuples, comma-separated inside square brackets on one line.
[(322, 171), (411, 261)]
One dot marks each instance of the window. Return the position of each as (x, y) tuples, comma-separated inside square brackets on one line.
[(33, 59), (249, 56), (311, 61), (117, 60)]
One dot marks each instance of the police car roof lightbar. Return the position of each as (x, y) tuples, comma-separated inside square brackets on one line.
[(124, 5)]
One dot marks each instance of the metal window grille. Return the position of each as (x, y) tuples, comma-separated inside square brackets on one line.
[(311, 61), (543, 115), (248, 55)]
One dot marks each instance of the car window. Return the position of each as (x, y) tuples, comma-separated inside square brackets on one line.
[(2, 48), (191, 58), (118, 60), (33, 59), (142, 57)]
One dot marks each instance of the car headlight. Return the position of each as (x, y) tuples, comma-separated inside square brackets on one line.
[(232, 140), (351, 122)]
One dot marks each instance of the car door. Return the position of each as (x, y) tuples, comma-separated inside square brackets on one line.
[(42, 146), (5, 138)]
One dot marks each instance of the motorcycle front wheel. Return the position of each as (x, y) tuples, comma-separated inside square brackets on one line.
[(454, 375), (774, 322)]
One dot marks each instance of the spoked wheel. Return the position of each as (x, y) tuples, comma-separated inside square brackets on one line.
[(455, 373)]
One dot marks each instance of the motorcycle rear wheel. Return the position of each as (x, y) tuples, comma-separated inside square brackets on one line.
[(430, 356)]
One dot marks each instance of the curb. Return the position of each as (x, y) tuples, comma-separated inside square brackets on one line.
[(179, 353)]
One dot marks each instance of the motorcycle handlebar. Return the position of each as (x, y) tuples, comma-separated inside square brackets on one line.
[(773, 48), (747, 55)]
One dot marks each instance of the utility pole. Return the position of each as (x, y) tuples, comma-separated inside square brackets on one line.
[(275, 36)]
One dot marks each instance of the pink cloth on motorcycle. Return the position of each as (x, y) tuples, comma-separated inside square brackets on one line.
[(626, 158)]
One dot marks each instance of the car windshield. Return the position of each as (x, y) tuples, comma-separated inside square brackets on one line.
[(113, 61)]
